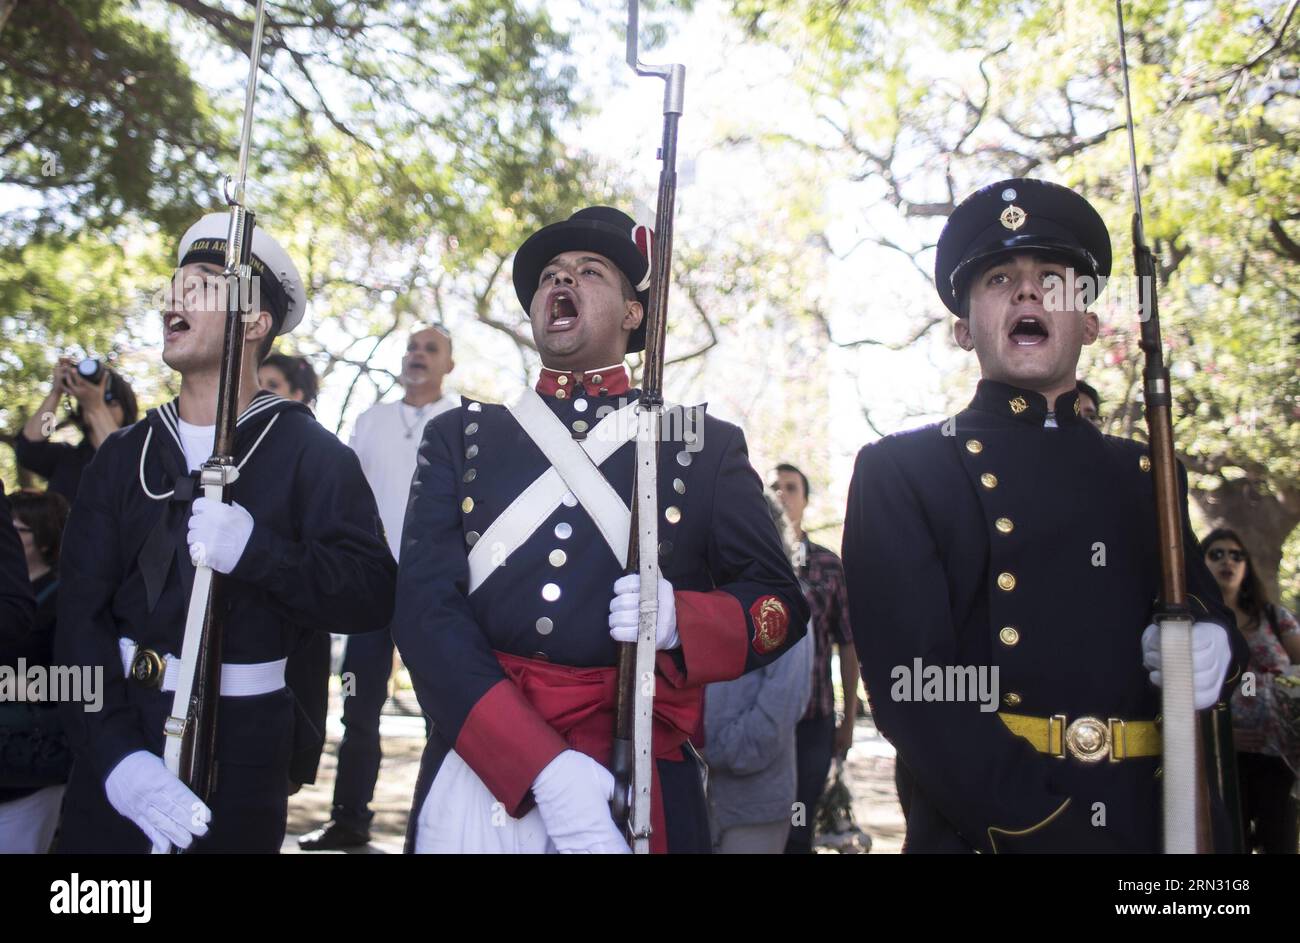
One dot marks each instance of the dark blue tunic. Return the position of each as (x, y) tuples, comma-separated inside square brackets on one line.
[(718, 548), (316, 561), (936, 517)]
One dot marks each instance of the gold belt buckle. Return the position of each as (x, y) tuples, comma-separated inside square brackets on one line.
[(1088, 739), (148, 668)]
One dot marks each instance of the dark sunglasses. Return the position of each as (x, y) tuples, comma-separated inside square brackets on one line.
[(1218, 553)]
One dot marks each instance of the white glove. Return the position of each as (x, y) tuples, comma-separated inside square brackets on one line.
[(218, 534), (142, 789), (625, 612), (573, 794), (1211, 658)]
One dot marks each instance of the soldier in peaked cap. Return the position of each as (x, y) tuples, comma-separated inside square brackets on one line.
[(512, 593), (1016, 544), (302, 546)]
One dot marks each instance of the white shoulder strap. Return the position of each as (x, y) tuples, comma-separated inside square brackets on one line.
[(575, 468)]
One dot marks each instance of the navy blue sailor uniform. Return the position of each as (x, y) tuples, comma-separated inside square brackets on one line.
[(315, 562), (512, 658), (997, 539)]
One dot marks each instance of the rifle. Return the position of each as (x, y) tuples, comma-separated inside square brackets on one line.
[(1186, 801), (634, 706), (191, 729)]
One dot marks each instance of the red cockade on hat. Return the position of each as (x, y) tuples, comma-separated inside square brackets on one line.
[(644, 237)]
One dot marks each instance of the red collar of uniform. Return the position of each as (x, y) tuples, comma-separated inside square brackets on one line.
[(605, 381)]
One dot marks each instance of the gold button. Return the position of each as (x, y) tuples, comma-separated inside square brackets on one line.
[(1144, 463), (673, 514), (596, 379), (558, 557), (1006, 581), (1012, 699), (1004, 525), (974, 446), (580, 426), (989, 480), (467, 505), (562, 379), (561, 394), (1008, 636)]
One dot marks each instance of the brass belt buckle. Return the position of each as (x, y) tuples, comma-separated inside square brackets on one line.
[(148, 668), (1088, 739)]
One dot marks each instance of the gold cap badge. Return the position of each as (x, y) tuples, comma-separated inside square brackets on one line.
[(1013, 217)]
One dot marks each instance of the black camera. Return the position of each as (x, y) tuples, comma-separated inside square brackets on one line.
[(90, 369)]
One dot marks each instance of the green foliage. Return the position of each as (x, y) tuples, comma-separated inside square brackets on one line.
[(401, 150), (928, 100), (100, 119)]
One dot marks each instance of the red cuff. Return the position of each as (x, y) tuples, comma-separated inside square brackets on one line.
[(507, 743), (714, 632)]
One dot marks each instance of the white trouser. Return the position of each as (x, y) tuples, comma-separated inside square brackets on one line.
[(460, 816), (27, 825)]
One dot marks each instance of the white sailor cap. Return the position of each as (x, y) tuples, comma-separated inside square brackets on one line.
[(281, 288)]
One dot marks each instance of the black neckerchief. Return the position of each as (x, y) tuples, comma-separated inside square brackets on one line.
[(167, 541)]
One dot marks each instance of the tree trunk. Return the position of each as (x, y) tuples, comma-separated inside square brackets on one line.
[(1264, 521), (6, 7)]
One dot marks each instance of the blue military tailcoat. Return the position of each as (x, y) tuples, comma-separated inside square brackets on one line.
[(738, 602)]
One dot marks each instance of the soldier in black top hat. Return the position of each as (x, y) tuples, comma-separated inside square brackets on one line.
[(512, 594), (1002, 565)]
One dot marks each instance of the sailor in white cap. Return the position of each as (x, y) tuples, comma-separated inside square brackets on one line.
[(302, 545)]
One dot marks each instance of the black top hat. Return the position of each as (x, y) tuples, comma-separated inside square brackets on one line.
[(1019, 215), (600, 229)]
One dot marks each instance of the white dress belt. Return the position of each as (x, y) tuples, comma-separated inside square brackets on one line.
[(236, 680)]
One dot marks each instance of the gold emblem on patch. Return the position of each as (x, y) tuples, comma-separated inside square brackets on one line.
[(771, 622), (1076, 407), (1018, 405), (1013, 217)]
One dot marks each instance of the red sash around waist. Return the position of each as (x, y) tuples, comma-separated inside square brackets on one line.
[(579, 704)]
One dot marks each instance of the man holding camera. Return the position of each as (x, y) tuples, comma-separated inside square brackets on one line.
[(105, 403)]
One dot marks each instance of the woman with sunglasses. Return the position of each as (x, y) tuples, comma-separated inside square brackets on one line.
[(1274, 638)]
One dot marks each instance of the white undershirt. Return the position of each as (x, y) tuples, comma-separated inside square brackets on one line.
[(387, 440), (197, 442)]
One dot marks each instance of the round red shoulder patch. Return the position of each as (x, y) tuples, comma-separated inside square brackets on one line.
[(771, 623)]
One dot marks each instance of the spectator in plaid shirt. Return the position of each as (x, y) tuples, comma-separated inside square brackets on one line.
[(818, 739)]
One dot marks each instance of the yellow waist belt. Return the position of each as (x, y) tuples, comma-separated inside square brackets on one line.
[(1090, 739)]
